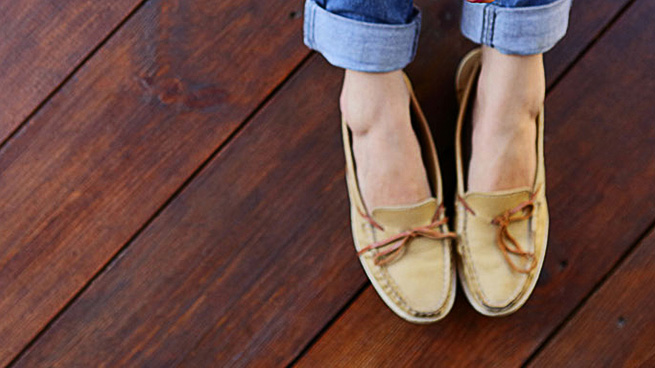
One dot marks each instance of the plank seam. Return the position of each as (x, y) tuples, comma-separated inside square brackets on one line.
[(232, 137), (639, 239), (591, 44), (550, 88), (156, 214), (576, 310), (46, 100), (328, 325), (70, 75)]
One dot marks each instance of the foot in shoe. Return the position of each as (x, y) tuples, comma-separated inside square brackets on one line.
[(509, 96), (387, 155)]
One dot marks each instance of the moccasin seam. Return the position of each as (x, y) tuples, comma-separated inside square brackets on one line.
[(469, 264), (392, 289)]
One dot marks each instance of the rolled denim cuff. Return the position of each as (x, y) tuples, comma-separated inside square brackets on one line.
[(522, 31), (358, 45)]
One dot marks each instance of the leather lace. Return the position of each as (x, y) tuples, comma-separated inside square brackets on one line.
[(389, 249), (506, 242)]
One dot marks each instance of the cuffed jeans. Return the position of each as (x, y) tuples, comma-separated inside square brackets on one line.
[(382, 35)]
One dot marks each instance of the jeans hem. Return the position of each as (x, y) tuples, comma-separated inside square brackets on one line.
[(358, 45), (520, 31)]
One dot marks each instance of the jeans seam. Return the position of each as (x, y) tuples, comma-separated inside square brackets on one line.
[(486, 29), (488, 25), (484, 21), (400, 41), (493, 28)]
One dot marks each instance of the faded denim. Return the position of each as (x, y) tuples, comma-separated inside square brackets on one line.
[(524, 30), (382, 35)]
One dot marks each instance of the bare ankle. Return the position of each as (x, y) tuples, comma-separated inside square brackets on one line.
[(511, 88), (374, 101)]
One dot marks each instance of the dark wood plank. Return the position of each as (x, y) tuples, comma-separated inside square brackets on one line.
[(600, 145), (42, 43), (615, 327), (585, 25), (117, 141), (242, 252), (249, 263), (242, 335)]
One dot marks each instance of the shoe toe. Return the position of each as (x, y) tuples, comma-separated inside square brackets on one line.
[(490, 277), (422, 278), (418, 282)]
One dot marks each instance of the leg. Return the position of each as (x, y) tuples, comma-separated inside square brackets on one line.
[(511, 88), (509, 96), (389, 165), (373, 41), (405, 250)]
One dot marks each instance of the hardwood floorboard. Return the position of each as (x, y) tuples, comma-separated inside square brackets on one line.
[(220, 276), (42, 44), (586, 24), (239, 253), (615, 327), (600, 144), (109, 149)]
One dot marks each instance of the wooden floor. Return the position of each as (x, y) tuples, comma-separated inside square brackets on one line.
[(172, 191)]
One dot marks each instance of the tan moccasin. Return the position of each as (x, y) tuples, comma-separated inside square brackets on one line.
[(406, 250), (502, 235)]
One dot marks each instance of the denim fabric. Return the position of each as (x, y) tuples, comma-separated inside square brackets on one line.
[(378, 11), (360, 45), (516, 30), (521, 3), (381, 35)]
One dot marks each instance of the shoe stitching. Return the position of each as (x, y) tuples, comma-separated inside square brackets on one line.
[(392, 289), (463, 247), (471, 273)]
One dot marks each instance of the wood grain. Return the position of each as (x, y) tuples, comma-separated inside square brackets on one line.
[(615, 327), (585, 25), (119, 139), (251, 260), (241, 257), (246, 329), (600, 145), (42, 43)]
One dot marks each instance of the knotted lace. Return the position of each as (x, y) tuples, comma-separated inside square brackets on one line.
[(389, 249), (506, 242)]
